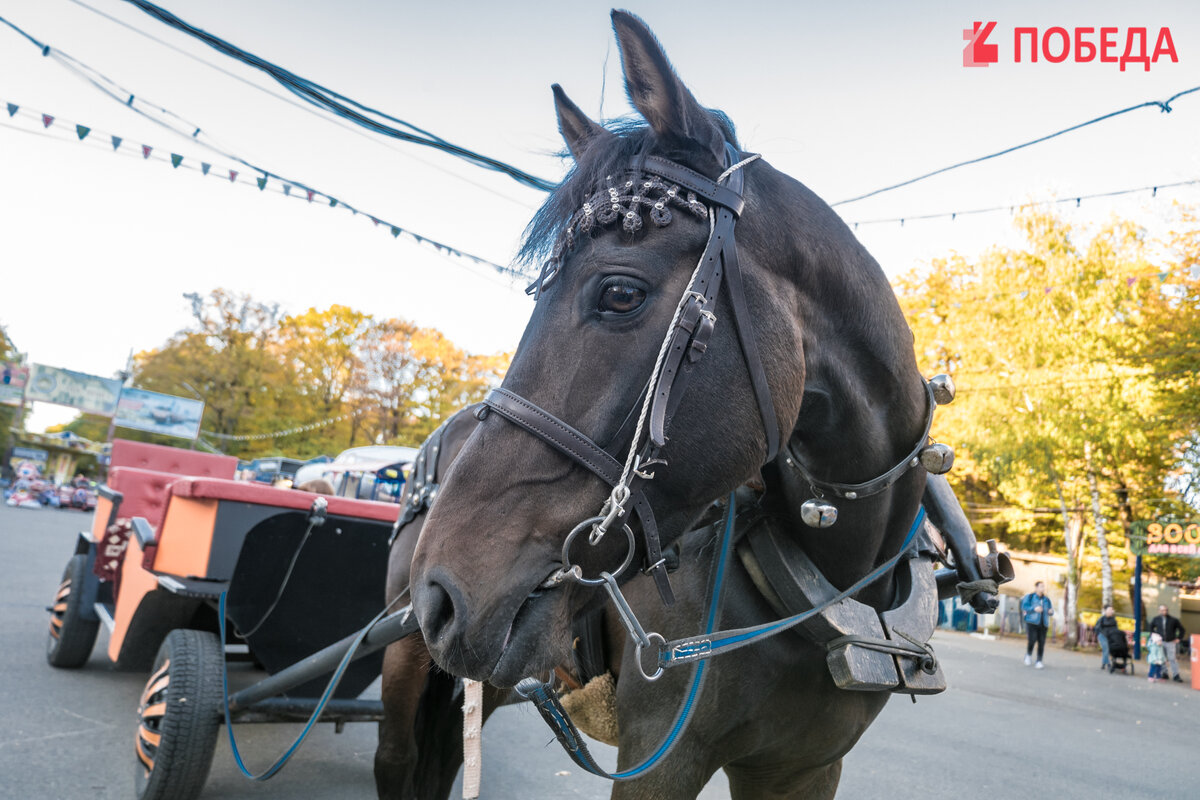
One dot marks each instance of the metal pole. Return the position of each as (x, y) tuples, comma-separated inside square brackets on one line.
[(1137, 609), (391, 628)]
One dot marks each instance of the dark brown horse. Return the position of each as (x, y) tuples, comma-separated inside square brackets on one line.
[(831, 350), (420, 738)]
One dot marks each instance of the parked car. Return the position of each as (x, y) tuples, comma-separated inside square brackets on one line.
[(276, 470), (373, 472)]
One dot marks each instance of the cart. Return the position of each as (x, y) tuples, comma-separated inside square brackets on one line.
[(299, 577)]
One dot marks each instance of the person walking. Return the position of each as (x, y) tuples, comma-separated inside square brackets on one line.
[(1171, 631), (1104, 627), (1038, 611)]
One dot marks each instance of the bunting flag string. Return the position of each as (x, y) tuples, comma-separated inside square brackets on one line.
[(264, 182), (1041, 292), (250, 437), (1012, 208)]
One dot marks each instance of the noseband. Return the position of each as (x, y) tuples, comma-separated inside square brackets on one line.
[(686, 342)]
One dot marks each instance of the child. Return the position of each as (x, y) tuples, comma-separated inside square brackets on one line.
[(1156, 657)]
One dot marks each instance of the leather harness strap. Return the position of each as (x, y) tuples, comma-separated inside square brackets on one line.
[(581, 449)]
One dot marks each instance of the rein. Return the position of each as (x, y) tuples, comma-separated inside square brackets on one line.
[(699, 649)]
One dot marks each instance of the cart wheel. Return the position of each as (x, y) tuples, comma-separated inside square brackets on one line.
[(180, 716), (71, 637)]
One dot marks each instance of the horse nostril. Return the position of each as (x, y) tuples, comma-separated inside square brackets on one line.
[(437, 610)]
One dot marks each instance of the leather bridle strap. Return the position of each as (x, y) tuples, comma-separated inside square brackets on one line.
[(580, 448), (696, 322)]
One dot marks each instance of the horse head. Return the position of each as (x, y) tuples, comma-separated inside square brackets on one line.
[(626, 239)]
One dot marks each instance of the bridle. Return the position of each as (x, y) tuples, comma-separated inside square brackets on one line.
[(683, 347), (685, 344)]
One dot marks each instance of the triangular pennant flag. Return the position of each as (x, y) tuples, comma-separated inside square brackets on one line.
[(12, 109), (332, 202), (310, 195), (287, 190), (82, 131), (205, 167), (395, 231), (262, 182), (374, 220), (47, 120), (1162, 276), (419, 239), (176, 160), (146, 150), (1048, 288), (232, 175), (116, 142), (1130, 281)]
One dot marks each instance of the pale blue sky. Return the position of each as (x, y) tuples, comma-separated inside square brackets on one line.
[(96, 250)]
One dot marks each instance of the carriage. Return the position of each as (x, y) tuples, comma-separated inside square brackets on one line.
[(188, 569)]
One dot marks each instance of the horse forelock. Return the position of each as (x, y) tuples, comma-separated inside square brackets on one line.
[(606, 157)]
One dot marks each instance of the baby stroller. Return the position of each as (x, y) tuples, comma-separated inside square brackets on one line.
[(1118, 651)]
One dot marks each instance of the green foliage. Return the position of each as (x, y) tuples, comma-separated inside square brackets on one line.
[(1071, 343)]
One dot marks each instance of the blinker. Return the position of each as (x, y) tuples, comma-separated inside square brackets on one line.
[(818, 514)]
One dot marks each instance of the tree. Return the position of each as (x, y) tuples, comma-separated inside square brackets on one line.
[(1050, 346)]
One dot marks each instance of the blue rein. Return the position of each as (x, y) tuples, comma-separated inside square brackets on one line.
[(696, 649)]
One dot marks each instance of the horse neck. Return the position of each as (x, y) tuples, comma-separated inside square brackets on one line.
[(863, 411)]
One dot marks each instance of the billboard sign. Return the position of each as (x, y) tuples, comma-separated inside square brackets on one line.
[(13, 379), (160, 413), (1165, 538), (89, 393)]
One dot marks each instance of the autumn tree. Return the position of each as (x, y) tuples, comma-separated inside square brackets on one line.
[(1048, 344)]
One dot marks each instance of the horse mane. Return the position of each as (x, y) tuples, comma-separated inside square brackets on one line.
[(607, 155)]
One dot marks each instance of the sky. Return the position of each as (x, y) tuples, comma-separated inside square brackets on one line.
[(97, 248)]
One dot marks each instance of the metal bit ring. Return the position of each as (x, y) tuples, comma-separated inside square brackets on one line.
[(574, 572)]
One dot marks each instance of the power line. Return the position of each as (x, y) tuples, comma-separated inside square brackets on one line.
[(1162, 105), (307, 109), (323, 97)]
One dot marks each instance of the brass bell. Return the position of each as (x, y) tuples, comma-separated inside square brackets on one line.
[(943, 389), (937, 458), (818, 514)]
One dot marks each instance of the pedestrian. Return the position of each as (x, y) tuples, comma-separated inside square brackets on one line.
[(1038, 611), (1171, 631), (1156, 656), (1104, 627)]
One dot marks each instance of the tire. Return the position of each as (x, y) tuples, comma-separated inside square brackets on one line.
[(179, 717), (71, 637)]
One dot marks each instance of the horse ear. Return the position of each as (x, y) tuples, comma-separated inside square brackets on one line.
[(578, 130), (656, 91)]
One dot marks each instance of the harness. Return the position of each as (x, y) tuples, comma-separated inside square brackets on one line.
[(424, 487), (683, 347)]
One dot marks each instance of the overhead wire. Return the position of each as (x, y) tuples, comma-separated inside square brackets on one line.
[(306, 108), (131, 101), (1162, 105), (323, 97)]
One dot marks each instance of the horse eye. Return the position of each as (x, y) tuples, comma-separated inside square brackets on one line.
[(621, 298)]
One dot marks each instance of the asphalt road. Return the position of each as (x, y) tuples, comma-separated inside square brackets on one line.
[(1068, 732)]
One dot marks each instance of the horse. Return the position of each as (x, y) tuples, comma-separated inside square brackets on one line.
[(817, 348), (420, 737)]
